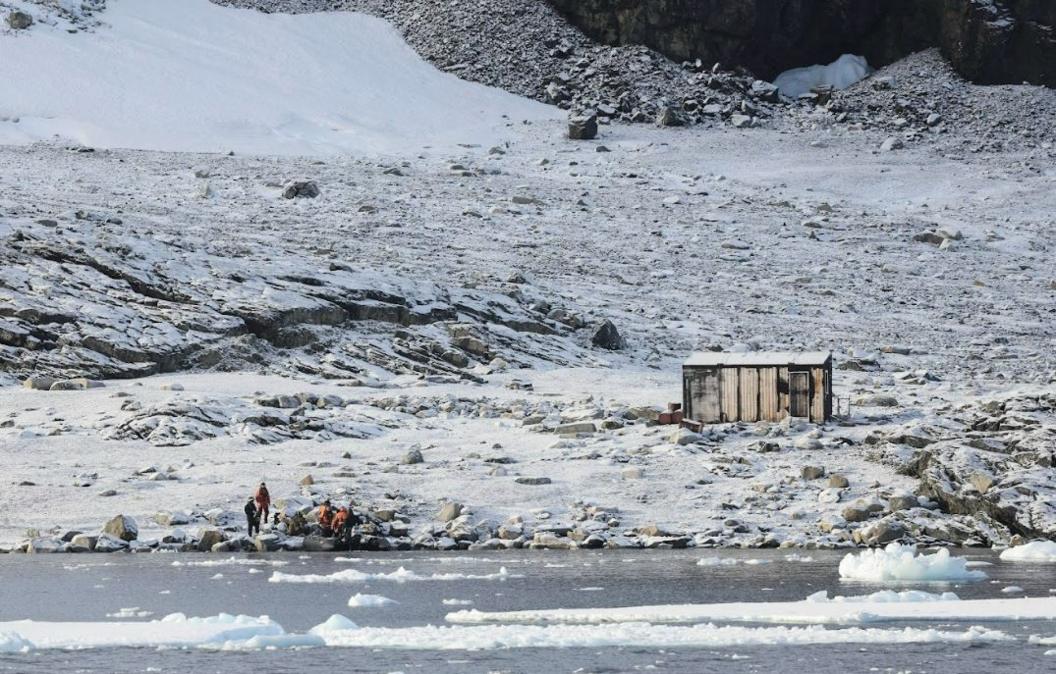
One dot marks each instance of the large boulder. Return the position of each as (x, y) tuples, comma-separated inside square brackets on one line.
[(606, 336), (122, 527), (18, 20), (583, 127), (208, 538), (449, 511)]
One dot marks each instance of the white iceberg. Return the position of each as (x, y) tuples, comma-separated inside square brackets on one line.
[(369, 601), (1036, 551), (902, 563)]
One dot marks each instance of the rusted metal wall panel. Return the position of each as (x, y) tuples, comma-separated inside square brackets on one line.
[(749, 393), (729, 381), (818, 397), (769, 407)]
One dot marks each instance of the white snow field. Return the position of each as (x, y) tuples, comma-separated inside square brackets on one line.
[(840, 74), (808, 612), (1035, 551), (194, 76), (902, 563)]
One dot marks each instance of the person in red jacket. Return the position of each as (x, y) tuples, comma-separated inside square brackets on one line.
[(263, 500)]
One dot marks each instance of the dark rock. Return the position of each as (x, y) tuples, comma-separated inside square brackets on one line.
[(606, 336), (533, 481), (19, 20), (300, 189), (583, 127)]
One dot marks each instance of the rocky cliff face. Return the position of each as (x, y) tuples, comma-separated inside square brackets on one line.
[(988, 41)]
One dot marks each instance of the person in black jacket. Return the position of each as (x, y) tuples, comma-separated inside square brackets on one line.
[(252, 516)]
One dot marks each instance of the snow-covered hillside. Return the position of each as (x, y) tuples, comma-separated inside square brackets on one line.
[(423, 333), (193, 76)]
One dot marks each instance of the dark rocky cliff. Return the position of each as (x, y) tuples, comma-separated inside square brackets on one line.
[(988, 41)]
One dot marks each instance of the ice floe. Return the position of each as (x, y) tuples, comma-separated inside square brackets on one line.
[(641, 635), (1037, 551), (400, 575), (884, 596), (173, 631), (902, 563), (813, 611), (233, 561), (369, 601)]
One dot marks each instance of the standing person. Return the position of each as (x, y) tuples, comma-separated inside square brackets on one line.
[(326, 516), (263, 499), (252, 516)]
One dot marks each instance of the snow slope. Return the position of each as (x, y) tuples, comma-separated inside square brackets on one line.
[(193, 76)]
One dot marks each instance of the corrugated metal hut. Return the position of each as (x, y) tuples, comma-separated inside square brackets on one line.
[(764, 386)]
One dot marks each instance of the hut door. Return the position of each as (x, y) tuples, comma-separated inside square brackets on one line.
[(799, 394), (704, 395)]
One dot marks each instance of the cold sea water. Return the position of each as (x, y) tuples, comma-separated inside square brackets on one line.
[(86, 588)]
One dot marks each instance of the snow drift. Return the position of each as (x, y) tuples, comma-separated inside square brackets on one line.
[(902, 563), (193, 76), (840, 74)]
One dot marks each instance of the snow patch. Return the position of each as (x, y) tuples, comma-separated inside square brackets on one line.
[(191, 76), (840, 74), (902, 563)]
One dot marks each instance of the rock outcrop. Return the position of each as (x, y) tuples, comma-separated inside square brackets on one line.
[(998, 41)]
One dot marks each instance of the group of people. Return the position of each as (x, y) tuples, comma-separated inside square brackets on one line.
[(257, 508), (332, 522)]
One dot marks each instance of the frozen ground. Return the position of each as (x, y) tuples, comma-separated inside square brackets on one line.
[(445, 298)]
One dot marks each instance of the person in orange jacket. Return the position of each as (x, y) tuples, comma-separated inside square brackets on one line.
[(326, 517), (340, 521), (263, 501)]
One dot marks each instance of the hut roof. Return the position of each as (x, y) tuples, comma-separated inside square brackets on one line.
[(757, 358)]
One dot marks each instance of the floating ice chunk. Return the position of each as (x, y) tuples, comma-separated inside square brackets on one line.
[(902, 563), (818, 610), (885, 597), (716, 561), (458, 602), (639, 635), (172, 631), (1012, 589), (335, 623), (131, 612), (1042, 641), (1037, 551), (400, 575), (233, 561), (840, 74), (13, 642), (369, 601), (272, 642)]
